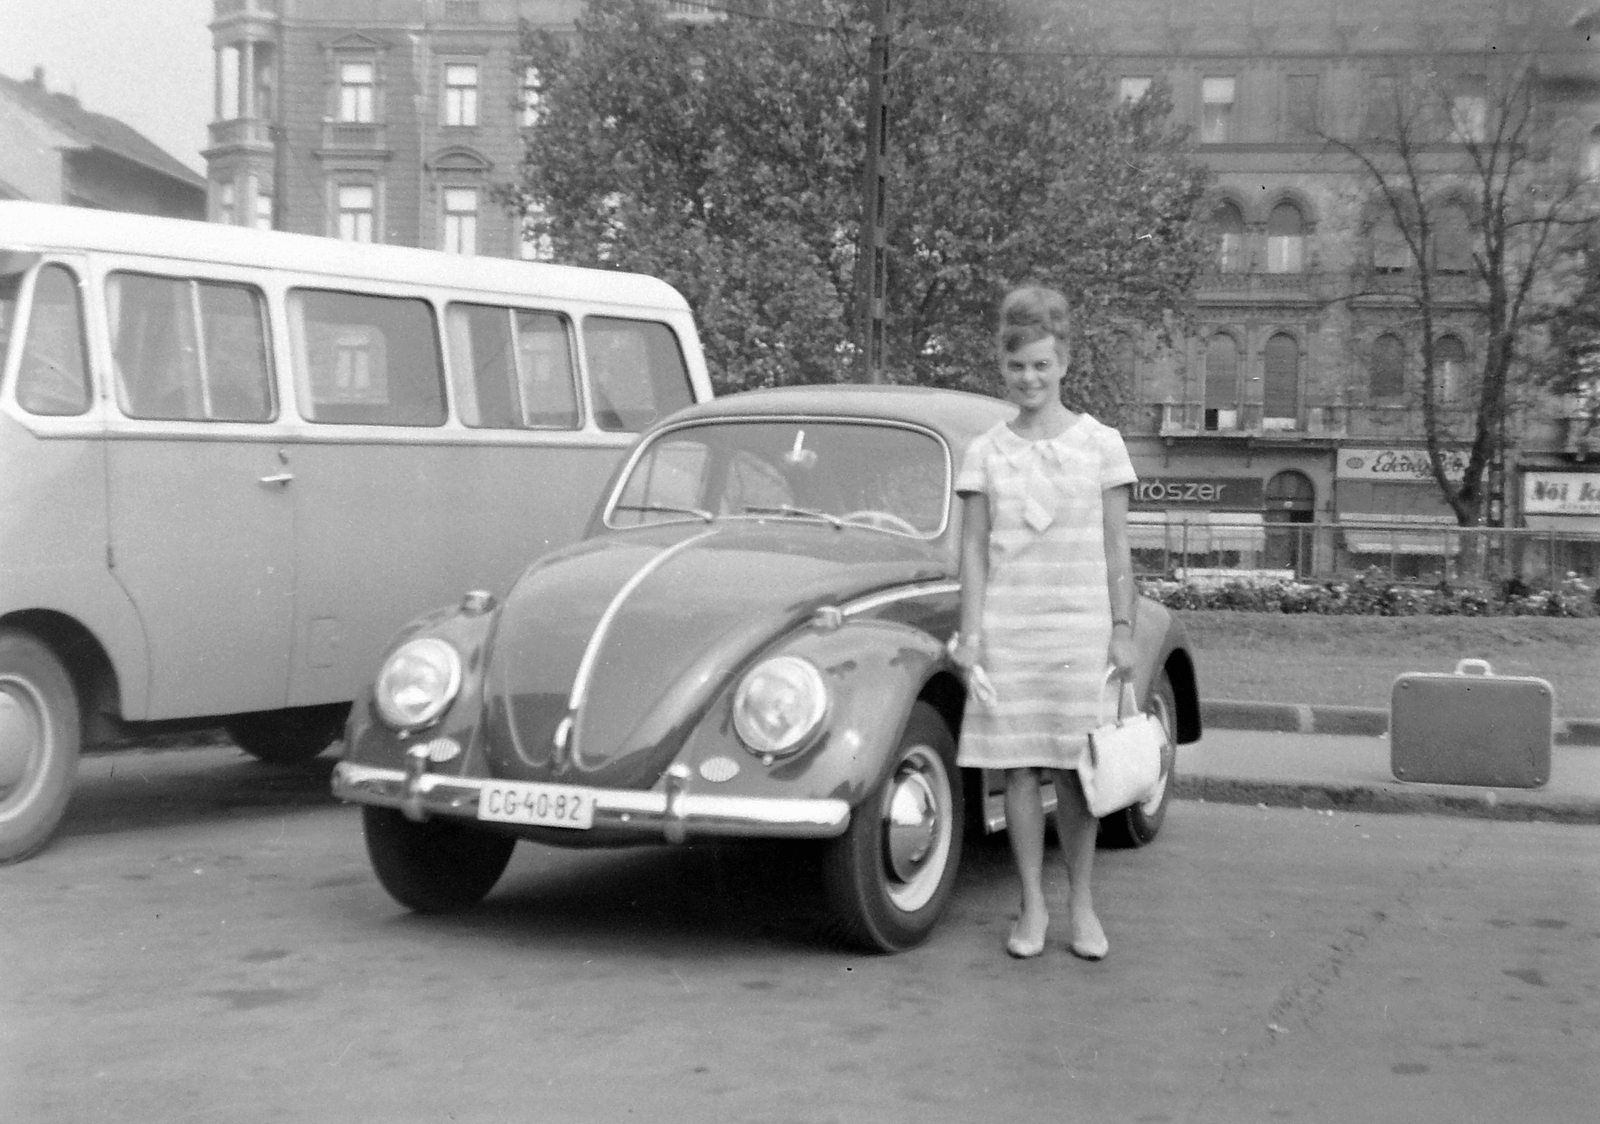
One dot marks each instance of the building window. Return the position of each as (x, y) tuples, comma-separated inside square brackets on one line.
[(1449, 368), (225, 203), (1133, 89), (460, 220), (357, 81), (1222, 383), (1383, 107), (530, 96), (1452, 239), (1300, 108), (1216, 110), (1286, 239), (263, 210), (1469, 109), (1229, 222), (461, 94), (1390, 251), (1280, 408), (356, 206), (1388, 370)]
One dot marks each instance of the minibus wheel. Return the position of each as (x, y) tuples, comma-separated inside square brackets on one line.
[(288, 737), (40, 738)]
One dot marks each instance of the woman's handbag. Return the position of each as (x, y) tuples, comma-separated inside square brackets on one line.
[(1122, 764)]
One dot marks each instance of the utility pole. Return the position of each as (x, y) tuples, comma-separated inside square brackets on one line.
[(872, 251)]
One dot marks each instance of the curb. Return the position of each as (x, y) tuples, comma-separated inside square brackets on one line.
[(1487, 804), (1361, 721)]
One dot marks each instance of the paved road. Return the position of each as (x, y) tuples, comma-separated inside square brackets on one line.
[(204, 942)]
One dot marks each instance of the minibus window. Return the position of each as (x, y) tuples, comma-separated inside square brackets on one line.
[(189, 350), (365, 360), (636, 371), (53, 377), (512, 368)]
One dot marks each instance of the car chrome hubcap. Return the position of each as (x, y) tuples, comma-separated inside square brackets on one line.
[(1159, 710), (916, 828), (22, 730)]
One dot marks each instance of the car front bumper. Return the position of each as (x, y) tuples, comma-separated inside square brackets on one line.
[(671, 813)]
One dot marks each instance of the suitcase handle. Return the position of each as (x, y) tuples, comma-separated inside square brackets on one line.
[(1474, 667)]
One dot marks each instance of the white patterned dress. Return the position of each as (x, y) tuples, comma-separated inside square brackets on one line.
[(1046, 608)]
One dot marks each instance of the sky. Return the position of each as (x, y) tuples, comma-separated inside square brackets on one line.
[(145, 62)]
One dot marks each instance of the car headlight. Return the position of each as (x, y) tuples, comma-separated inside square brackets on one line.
[(418, 680), (778, 704)]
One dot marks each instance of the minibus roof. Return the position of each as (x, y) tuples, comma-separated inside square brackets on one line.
[(49, 226)]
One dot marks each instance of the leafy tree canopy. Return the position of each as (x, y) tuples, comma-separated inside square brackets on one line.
[(726, 158)]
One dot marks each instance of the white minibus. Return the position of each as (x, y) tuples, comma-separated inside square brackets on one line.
[(234, 462)]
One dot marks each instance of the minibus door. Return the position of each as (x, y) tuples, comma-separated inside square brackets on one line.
[(201, 494)]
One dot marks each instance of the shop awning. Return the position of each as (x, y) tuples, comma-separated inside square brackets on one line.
[(1388, 533), (1197, 532)]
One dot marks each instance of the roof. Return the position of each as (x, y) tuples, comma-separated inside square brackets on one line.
[(45, 226), (96, 130), (957, 414)]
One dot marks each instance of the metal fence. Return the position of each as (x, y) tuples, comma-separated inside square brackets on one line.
[(1406, 552)]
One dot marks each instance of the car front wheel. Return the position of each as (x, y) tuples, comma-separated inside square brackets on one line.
[(1137, 825), (889, 876), (288, 737), (436, 866)]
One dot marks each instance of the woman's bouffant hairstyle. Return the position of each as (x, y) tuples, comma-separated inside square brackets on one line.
[(1032, 312)]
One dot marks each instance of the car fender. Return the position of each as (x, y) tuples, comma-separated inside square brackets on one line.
[(874, 670)]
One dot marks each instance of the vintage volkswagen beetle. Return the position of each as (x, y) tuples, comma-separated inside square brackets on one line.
[(749, 642)]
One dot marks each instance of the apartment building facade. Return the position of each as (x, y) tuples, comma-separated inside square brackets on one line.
[(393, 120)]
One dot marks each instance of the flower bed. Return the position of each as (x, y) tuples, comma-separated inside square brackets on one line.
[(1374, 593)]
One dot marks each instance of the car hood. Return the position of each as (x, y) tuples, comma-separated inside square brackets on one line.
[(651, 625)]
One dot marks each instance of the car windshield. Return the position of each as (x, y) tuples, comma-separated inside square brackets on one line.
[(887, 477)]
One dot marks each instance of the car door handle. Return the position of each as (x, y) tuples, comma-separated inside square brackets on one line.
[(278, 478)]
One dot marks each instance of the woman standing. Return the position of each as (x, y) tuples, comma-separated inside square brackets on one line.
[(1047, 604)]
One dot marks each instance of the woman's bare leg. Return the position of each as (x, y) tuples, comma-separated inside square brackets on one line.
[(1077, 827), (1025, 826)]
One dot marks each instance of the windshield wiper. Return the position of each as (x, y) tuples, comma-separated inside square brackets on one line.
[(667, 507), (790, 509)]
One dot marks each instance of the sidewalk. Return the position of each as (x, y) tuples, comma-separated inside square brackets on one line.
[(1338, 757)]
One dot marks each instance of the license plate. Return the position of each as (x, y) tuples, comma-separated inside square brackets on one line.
[(543, 805)]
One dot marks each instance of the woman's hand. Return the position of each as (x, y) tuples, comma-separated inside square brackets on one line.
[(965, 651), (1122, 654)]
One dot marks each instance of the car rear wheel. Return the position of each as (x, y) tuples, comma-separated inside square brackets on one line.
[(436, 866), (40, 739), (1139, 824), (288, 737), (889, 876)]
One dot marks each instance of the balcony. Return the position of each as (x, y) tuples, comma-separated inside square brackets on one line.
[(1195, 419), (243, 132), (1262, 287), (354, 136)]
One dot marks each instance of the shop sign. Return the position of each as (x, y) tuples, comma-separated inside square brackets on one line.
[(1214, 493), (1561, 493), (1397, 466)]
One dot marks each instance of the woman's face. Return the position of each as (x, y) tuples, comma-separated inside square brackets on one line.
[(1033, 373)]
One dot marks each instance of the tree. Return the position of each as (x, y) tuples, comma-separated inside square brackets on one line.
[(1474, 221), (726, 158)]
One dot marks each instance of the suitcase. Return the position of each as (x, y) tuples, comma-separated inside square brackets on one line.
[(1471, 727)]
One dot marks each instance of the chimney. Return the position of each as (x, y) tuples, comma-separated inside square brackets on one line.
[(37, 81)]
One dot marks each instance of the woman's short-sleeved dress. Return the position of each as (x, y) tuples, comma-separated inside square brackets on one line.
[(1046, 609)]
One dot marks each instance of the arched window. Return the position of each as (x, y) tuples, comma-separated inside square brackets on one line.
[(1449, 368), (1388, 371), (1280, 406), (1229, 222), (1286, 236), (1390, 253), (1222, 382), (1452, 239)]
